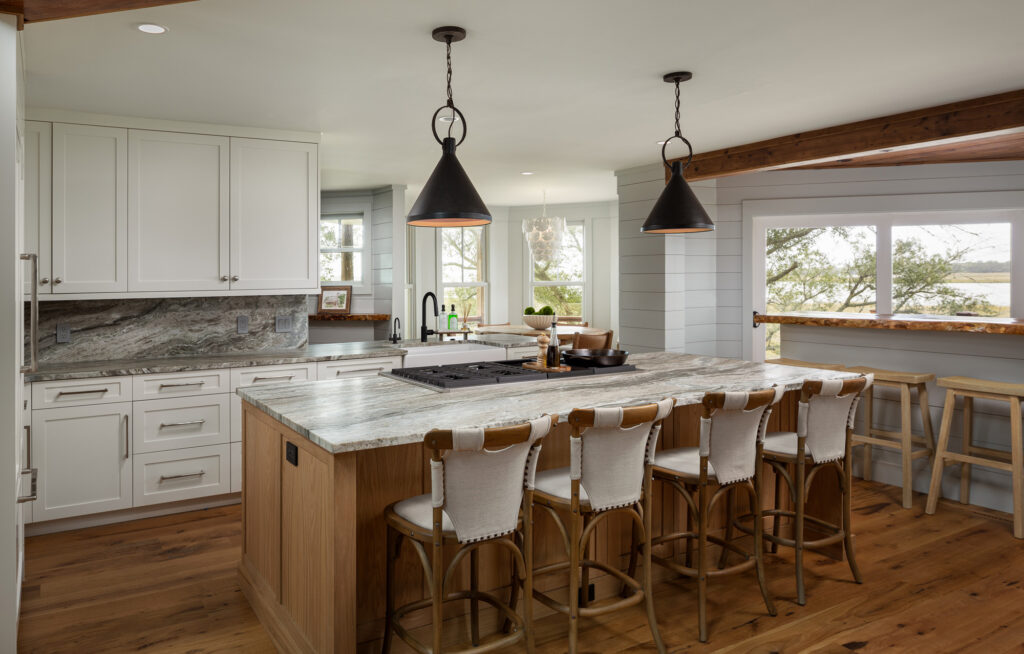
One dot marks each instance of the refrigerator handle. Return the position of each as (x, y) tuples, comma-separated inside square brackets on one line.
[(34, 315)]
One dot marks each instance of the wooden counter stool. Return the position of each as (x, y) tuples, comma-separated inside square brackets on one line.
[(805, 364), (822, 439), (599, 341), (610, 472), (904, 439), (729, 458), (1012, 461), (480, 480)]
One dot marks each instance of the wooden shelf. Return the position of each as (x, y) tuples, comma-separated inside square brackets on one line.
[(353, 317), (905, 322)]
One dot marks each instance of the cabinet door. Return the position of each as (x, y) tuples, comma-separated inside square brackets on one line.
[(177, 212), (274, 212), (38, 147), (90, 209), (84, 458)]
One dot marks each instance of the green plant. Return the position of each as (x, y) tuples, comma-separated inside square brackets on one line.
[(528, 311), (546, 311)]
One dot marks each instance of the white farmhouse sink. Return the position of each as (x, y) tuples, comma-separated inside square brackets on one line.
[(440, 355)]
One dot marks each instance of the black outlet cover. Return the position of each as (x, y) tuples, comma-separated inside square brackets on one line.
[(291, 453)]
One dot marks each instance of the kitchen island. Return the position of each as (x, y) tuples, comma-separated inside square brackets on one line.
[(323, 459)]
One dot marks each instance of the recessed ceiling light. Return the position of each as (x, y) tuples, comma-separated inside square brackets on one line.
[(526, 172), (152, 28)]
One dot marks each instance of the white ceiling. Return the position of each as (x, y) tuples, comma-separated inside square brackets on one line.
[(569, 89)]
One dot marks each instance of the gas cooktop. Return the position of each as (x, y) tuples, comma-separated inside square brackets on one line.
[(462, 375)]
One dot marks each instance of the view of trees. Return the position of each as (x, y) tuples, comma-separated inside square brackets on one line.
[(568, 266), (833, 269), (339, 236), (462, 270)]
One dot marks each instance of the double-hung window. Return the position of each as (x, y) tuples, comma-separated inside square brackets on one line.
[(463, 270), (561, 282), (345, 243)]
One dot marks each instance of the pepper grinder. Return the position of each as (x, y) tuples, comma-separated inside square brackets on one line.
[(542, 349)]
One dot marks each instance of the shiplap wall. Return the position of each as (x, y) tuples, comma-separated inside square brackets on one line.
[(668, 284)]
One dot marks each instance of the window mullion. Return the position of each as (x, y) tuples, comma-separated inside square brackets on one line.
[(883, 268)]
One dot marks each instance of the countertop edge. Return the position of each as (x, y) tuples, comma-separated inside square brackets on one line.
[(972, 325)]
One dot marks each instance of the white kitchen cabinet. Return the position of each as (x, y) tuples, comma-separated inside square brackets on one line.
[(182, 474), (84, 458), (78, 392), (236, 467), (345, 368), (263, 375), (38, 149), (178, 422), (274, 215), (177, 212), (90, 209), (180, 384)]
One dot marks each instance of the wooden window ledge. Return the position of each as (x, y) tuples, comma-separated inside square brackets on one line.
[(906, 322), (355, 317)]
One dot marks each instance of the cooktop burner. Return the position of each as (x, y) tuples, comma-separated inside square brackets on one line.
[(461, 375)]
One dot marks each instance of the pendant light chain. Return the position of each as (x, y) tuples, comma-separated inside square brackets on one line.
[(448, 62), (678, 132)]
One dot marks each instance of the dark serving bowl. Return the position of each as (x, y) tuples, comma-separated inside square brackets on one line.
[(595, 358)]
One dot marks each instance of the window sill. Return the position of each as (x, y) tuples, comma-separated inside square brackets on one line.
[(905, 322)]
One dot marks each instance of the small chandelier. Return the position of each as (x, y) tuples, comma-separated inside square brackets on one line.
[(544, 234), (677, 211), (448, 199)]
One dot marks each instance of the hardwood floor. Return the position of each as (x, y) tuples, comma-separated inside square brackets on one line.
[(949, 582)]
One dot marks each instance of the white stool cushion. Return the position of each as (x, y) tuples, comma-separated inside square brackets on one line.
[(781, 442), (419, 511), (557, 483), (685, 461)]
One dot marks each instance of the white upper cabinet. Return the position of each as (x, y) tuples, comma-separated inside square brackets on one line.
[(177, 212), (90, 209), (38, 148), (274, 211)]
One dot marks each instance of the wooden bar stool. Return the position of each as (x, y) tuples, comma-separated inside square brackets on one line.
[(822, 439), (599, 341), (904, 439), (610, 472), (728, 459), (481, 487), (796, 363), (1013, 461)]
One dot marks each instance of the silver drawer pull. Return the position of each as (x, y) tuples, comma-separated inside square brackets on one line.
[(35, 495), (339, 373), (96, 390), (259, 379), (182, 384), (187, 475), (182, 424)]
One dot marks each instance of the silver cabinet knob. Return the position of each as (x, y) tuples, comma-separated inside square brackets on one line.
[(223, 278), (234, 278), (58, 280), (44, 281)]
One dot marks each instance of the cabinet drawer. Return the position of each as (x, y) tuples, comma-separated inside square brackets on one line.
[(181, 474), (181, 422), (236, 467), (356, 367), (521, 352), (180, 384), (258, 375), (78, 392)]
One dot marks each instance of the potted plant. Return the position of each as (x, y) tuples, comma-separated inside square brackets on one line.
[(539, 318)]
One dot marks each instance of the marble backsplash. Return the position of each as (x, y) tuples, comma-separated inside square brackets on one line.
[(171, 327)]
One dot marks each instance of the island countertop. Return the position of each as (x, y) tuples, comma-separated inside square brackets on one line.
[(372, 412)]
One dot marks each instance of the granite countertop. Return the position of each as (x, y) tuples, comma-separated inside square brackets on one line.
[(906, 322), (315, 352), (370, 412)]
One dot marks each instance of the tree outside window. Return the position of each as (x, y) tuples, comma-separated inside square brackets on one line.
[(560, 283), (463, 270), (341, 248)]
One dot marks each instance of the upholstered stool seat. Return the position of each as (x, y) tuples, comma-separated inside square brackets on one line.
[(420, 512), (684, 461), (556, 486), (782, 443)]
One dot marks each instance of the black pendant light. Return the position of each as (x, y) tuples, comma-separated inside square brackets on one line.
[(677, 211), (448, 199)]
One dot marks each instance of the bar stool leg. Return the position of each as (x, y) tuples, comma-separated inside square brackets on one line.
[(968, 448), (926, 416), (437, 572), (648, 580), (474, 602), (935, 487), (528, 570), (702, 563), (869, 423), (801, 596), (585, 572), (1017, 457), (906, 447), (394, 539), (776, 519), (730, 515), (847, 483), (574, 581), (759, 539)]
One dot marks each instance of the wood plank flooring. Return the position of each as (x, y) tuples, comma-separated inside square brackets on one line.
[(952, 582)]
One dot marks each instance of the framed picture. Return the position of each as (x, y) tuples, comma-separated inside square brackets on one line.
[(335, 299)]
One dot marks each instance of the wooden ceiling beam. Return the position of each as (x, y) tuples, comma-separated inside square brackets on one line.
[(950, 124), (33, 11)]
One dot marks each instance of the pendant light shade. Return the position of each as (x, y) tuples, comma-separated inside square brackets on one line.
[(677, 211), (448, 199)]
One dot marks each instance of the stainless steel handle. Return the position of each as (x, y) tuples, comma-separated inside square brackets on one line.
[(223, 278), (182, 384), (33, 324), (234, 278), (258, 379), (339, 373), (201, 421), (186, 475), (126, 453), (35, 492), (44, 281), (58, 280), (95, 390), (28, 446)]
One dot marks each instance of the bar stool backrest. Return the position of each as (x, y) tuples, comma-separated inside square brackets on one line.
[(610, 448), (827, 410), (732, 425), (477, 476)]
